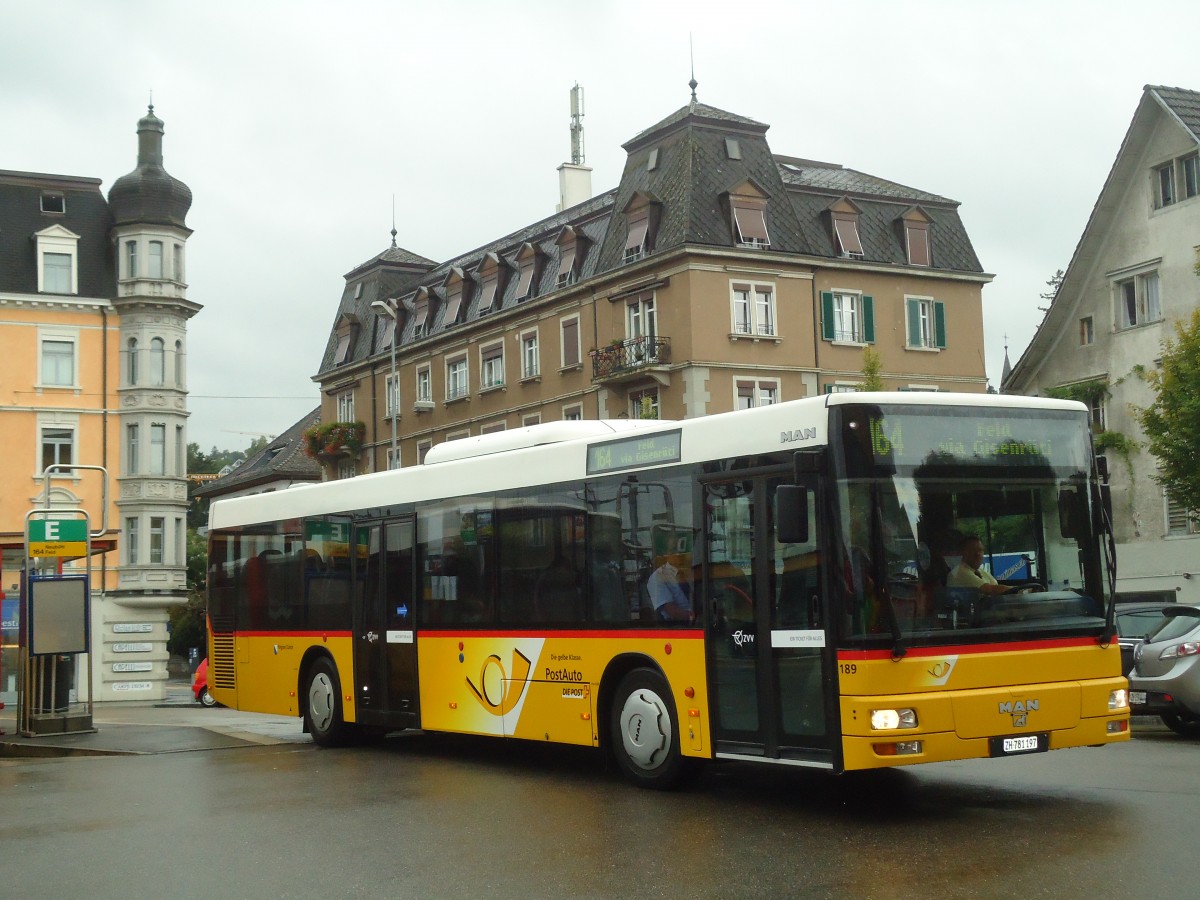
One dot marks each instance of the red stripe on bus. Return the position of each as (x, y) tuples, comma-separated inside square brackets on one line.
[(293, 634), (652, 634), (1049, 644)]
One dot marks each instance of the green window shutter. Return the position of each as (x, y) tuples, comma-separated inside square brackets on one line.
[(829, 388), (827, 315), (939, 324), (914, 323), (868, 334)]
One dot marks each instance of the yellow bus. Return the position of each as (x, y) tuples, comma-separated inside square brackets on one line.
[(796, 584)]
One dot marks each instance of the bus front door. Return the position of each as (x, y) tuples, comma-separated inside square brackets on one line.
[(768, 655), (385, 657)]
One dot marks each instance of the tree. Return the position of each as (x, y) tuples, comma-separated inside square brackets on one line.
[(872, 367), (1172, 420), (1054, 284)]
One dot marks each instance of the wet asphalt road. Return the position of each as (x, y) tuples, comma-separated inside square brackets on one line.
[(435, 816)]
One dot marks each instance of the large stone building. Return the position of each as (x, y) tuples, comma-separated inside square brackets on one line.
[(1132, 277), (93, 322), (717, 275)]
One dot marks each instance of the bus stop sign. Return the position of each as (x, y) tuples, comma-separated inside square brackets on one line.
[(57, 537)]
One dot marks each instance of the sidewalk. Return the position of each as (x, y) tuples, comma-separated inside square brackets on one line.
[(173, 725)]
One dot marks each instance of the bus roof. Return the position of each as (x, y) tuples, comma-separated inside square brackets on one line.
[(558, 452)]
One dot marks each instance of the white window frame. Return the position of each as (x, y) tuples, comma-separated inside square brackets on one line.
[(1147, 299), (641, 317), (158, 448), (347, 467), (458, 378), (131, 540), (752, 309), (531, 361), (393, 459), (345, 406), (158, 362), (177, 262), (562, 342), (158, 539), (843, 387), (155, 264), (491, 366), (58, 336), (391, 390), (72, 443), (424, 387), (179, 364), (848, 305), (927, 311), (531, 419), (63, 242), (423, 447), (132, 437), (635, 401), (763, 392), (1087, 331), (1165, 191), (572, 412)]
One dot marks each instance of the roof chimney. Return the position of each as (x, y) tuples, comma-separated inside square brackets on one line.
[(574, 178)]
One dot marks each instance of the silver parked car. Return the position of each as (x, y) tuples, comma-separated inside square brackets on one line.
[(1165, 680)]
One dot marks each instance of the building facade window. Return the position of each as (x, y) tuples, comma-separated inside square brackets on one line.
[(916, 243), (177, 269), (347, 468), (531, 419), (423, 448), (131, 259), (1087, 331), (56, 273), (753, 309), (643, 404), (1137, 300), (530, 358), (641, 319), (570, 342), (845, 233), (749, 393), (131, 352), (58, 363), (750, 223), (58, 446), (156, 260), (1180, 521), (131, 540), (493, 428), (158, 534), (456, 378), (391, 387), (179, 364), (842, 387), (131, 449), (54, 203), (526, 270), (393, 458), (847, 316), (1190, 170), (345, 406), (491, 366), (424, 385), (158, 362), (158, 448), (637, 238), (926, 326), (180, 451), (1165, 178), (573, 412)]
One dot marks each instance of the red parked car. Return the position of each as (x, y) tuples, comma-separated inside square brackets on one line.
[(200, 685)]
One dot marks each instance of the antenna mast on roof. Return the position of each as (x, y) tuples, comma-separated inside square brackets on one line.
[(577, 125)]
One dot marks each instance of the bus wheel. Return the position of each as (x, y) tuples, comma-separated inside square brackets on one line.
[(645, 732), (323, 711)]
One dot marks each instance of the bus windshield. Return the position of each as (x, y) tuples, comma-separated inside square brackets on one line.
[(958, 525)]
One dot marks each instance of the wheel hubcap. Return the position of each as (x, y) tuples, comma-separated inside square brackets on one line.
[(320, 701), (645, 729)]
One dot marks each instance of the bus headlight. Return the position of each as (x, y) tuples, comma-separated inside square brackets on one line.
[(891, 719), (1118, 699)]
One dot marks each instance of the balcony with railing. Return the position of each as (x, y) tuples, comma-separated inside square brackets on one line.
[(624, 360)]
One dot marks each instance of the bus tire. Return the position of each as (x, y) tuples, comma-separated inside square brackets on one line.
[(645, 731), (323, 705)]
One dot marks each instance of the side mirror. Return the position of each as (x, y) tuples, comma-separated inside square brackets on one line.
[(791, 514)]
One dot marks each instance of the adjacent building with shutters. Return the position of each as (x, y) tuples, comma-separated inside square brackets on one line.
[(93, 322), (716, 275), (1133, 275)]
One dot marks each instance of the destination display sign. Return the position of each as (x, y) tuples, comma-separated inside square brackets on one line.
[(634, 452), (941, 436)]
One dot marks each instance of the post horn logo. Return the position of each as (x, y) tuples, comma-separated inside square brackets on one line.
[(498, 693)]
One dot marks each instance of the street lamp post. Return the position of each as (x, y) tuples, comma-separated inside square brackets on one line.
[(393, 387)]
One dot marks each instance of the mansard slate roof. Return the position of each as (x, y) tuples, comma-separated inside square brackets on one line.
[(689, 188), (282, 459), (87, 215)]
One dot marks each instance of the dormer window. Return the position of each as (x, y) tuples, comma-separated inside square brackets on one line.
[(915, 225), (526, 267), (57, 260), (346, 331), (640, 214), (489, 281), (844, 217), (54, 203), (453, 287), (570, 253), (420, 315), (748, 211)]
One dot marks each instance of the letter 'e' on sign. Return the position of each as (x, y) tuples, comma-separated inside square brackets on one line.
[(57, 537)]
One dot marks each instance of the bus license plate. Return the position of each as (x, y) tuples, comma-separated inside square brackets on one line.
[(1025, 743)]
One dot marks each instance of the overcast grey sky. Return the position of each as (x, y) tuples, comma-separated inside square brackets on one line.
[(295, 123)]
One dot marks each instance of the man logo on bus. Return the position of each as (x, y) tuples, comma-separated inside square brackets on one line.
[(497, 692)]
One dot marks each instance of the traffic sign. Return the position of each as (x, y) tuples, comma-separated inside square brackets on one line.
[(57, 537)]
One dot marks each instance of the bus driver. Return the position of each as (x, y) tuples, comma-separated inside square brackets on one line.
[(968, 573)]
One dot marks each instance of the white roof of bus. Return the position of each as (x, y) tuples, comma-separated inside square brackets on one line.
[(557, 452)]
